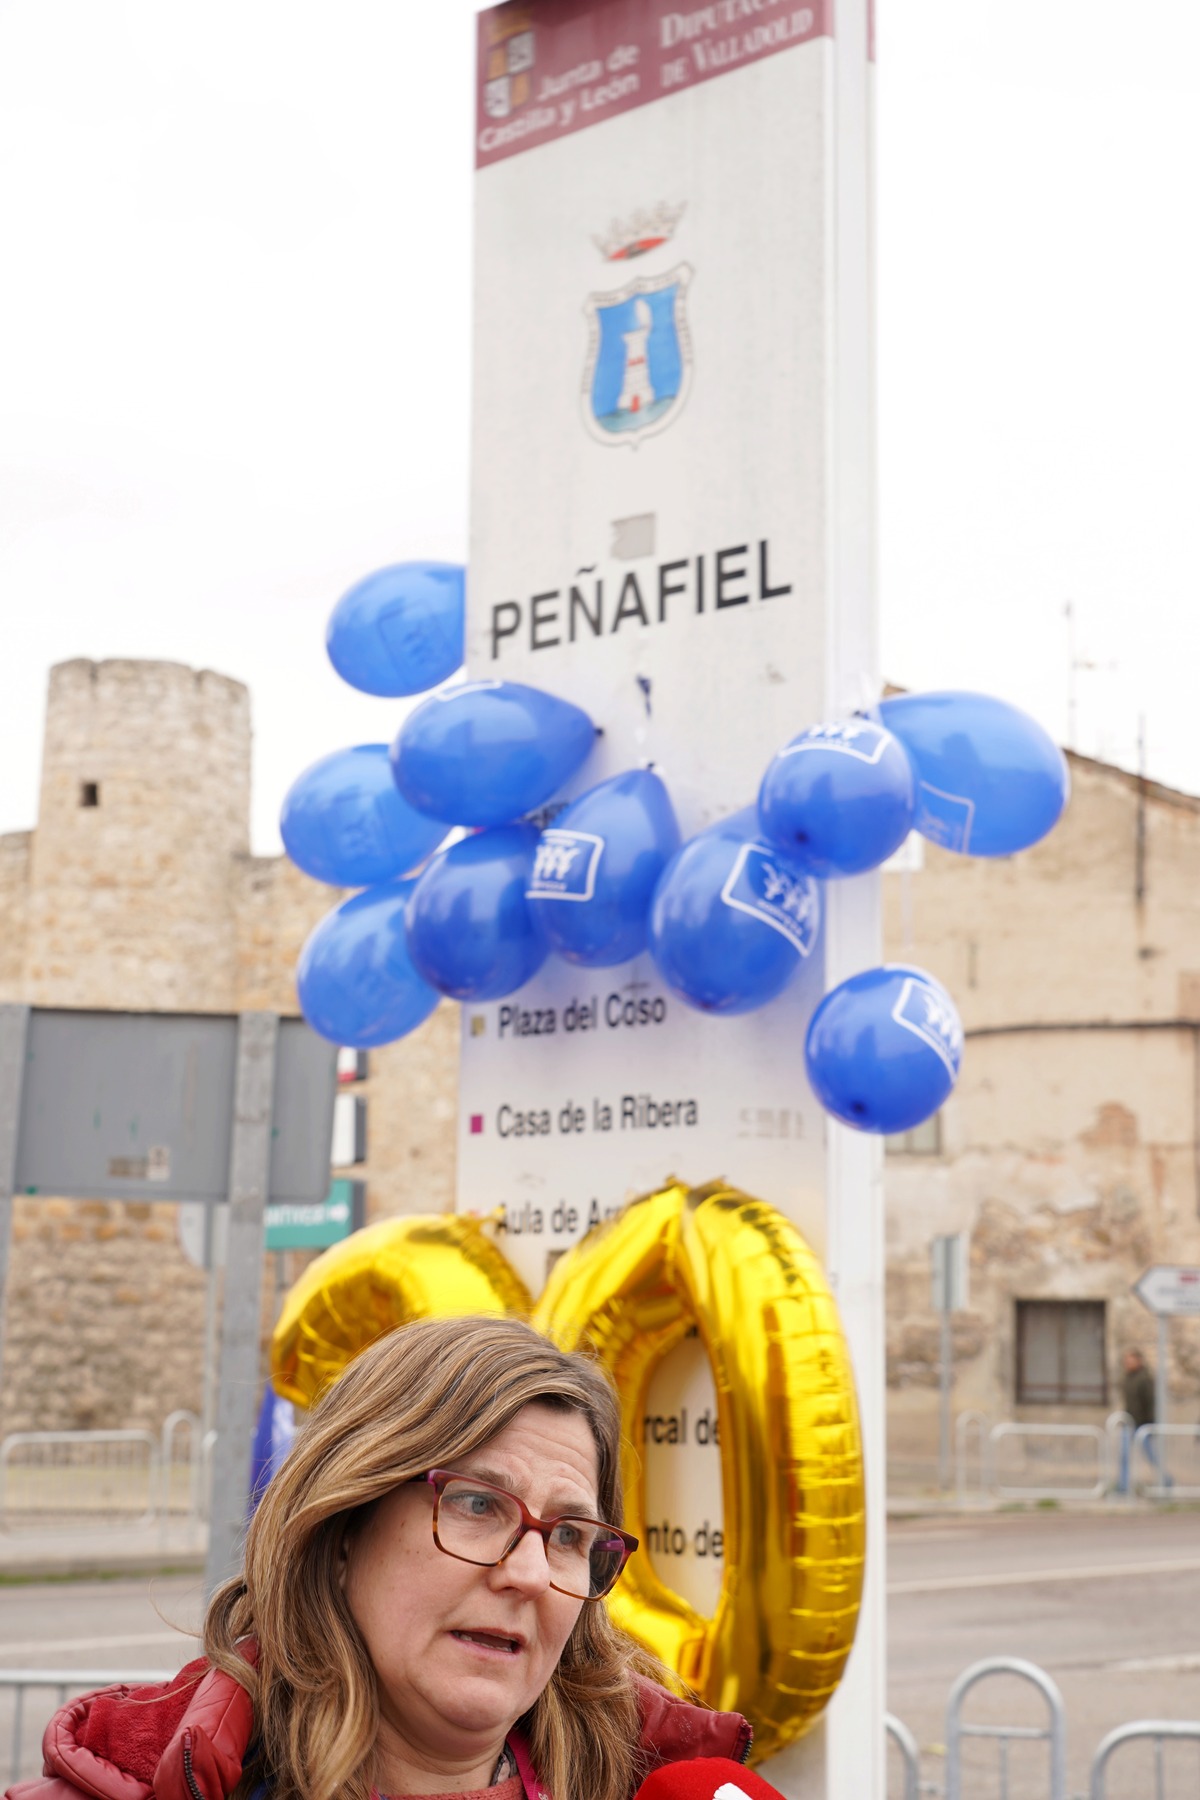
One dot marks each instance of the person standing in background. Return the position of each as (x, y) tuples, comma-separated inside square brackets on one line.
[(1138, 1399)]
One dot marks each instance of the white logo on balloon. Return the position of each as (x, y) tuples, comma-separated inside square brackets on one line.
[(922, 1011), (555, 874)]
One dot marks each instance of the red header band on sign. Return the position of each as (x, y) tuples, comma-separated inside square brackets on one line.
[(548, 68)]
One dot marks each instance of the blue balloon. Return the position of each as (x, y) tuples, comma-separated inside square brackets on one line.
[(597, 866), (400, 630), (883, 1049), (274, 1436), (344, 821), (355, 978), (838, 798), (487, 753), (471, 931), (990, 781), (732, 920)]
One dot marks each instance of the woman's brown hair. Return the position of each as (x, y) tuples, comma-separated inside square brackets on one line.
[(424, 1395)]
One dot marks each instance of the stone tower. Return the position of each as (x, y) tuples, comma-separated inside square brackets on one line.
[(136, 890), (145, 802)]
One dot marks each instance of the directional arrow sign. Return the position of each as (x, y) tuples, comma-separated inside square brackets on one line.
[(312, 1227), (1170, 1290)]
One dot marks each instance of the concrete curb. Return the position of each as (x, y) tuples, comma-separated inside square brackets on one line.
[(96, 1555), (95, 1568), (932, 1506)]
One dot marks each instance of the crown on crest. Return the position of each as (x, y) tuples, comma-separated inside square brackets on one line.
[(646, 230)]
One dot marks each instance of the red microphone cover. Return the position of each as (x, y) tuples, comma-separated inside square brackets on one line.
[(706, 1778)]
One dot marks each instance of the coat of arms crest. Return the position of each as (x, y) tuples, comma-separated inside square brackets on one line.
[(639, 359)]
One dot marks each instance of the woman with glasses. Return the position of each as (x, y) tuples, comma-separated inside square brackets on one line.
[(421, 1610)]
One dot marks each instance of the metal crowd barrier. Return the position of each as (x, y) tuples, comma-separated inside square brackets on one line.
[(181, 1461), (60, 1684), (1158, 1731), (1055, 1733), (1115, 1427), (979, 1448), (208, 1445), (965, 1423), (1009, 1431), (102, 1478), (91, 1477), (1155, 1442), (903, 1738), (64, 1683)]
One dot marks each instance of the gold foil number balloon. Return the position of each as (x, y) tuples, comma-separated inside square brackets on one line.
[(791, 1458), (791, 1454), (427, 1266)]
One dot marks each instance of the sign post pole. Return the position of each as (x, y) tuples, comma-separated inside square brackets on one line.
[(1161, 1396), (949, 1260), (237, 1390), (945, 1385), (212, 1282), (1169, 1291), (14, 1029)]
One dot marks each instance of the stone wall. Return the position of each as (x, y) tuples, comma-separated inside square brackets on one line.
[(1068, 1153), (1069, 1150), (142, 894), (127, 896), (1058, 933), (273, 909), (15, 849), (105, 1318), (412, 1087), (130, 899), (412, 1107)]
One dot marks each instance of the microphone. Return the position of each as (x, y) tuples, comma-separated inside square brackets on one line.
[(706, 1778)]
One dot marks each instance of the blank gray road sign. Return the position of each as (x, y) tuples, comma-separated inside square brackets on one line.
[(139, 1106)]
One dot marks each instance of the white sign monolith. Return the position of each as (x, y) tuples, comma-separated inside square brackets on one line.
[(672, 526)]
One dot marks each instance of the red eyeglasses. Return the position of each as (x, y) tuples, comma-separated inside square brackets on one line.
[(482, 1524)]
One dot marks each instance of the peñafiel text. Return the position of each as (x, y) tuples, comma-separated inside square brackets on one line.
[(593, 605)]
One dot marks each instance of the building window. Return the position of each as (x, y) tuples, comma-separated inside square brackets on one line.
[(1060, 1353), (349, 1131), (923, 1140), (351, 1066), (89, 793)]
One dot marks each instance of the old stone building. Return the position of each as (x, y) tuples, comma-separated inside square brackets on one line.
[(136, 890), (1069, 1153)]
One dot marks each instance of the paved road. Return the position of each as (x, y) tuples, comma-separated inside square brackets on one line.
[(121, 1625), (1109, 1606)]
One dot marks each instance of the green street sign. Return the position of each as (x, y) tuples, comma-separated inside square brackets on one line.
[(292, 1227)]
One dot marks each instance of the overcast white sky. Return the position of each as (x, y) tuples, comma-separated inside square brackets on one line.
[(234, 333)]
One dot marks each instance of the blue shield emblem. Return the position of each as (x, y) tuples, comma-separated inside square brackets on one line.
[(639, 363)]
